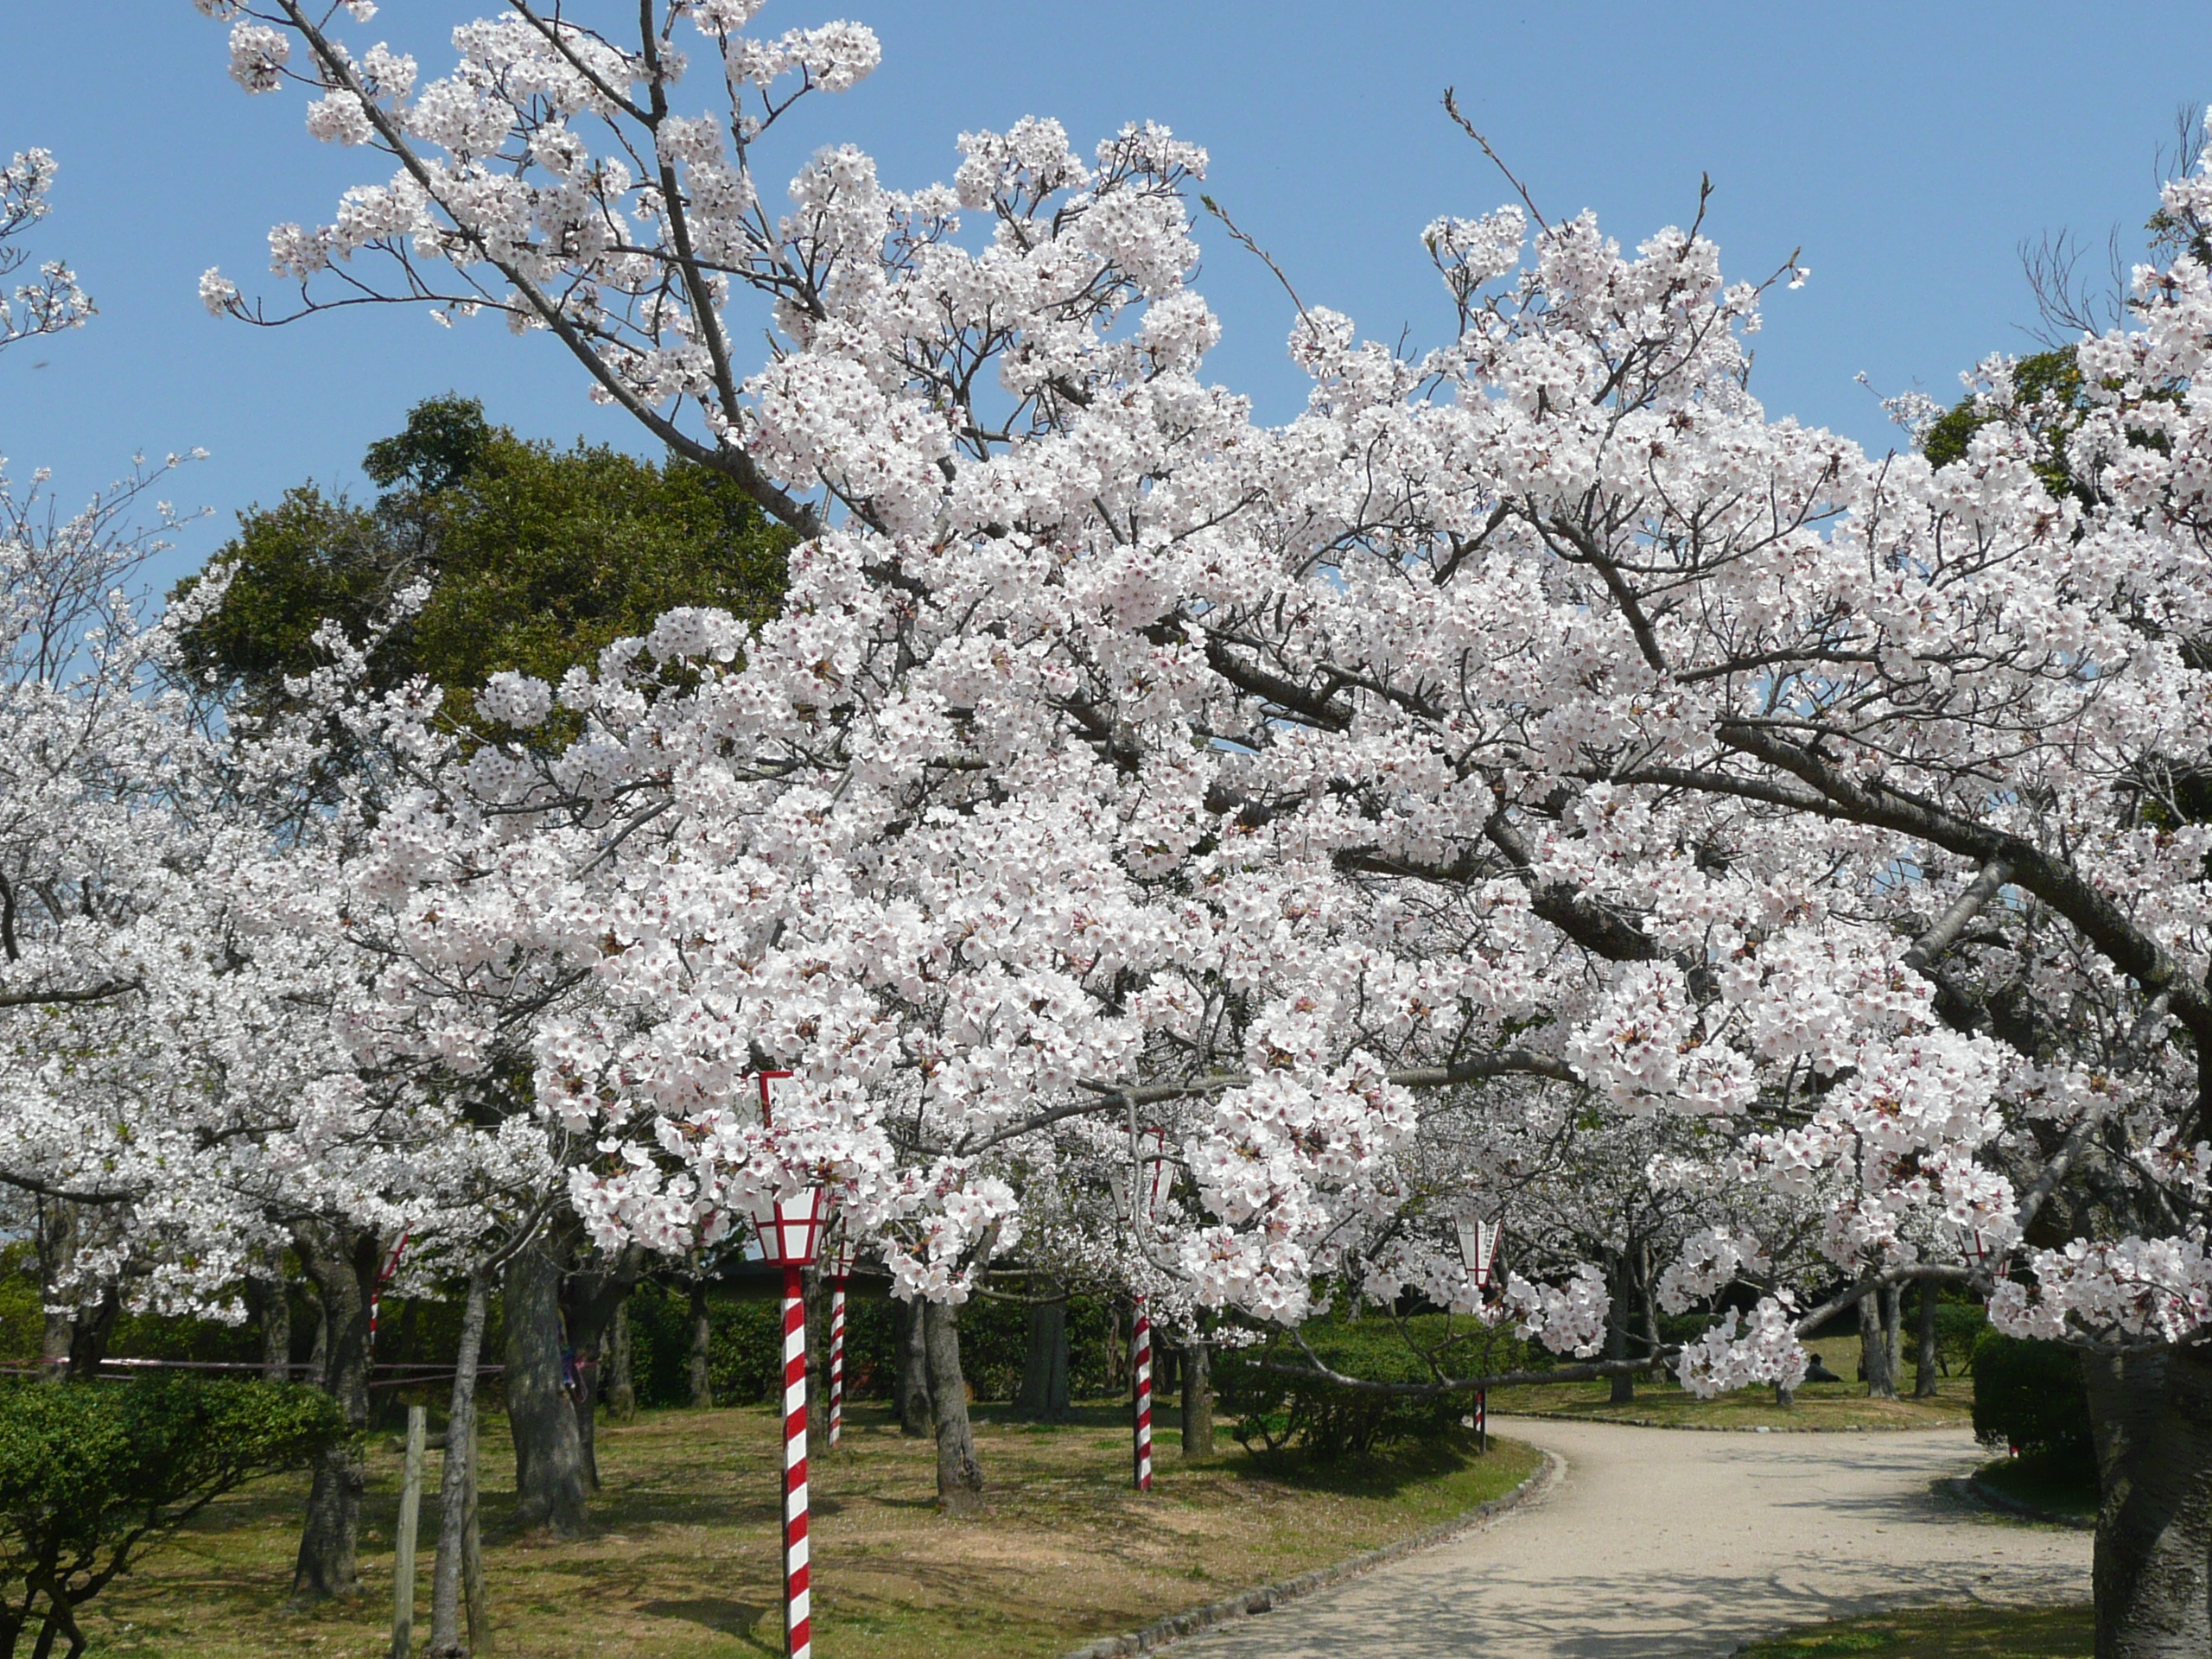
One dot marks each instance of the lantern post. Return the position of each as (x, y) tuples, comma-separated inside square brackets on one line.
[(1478, 1235), (789, 1231), (837, 1267), (384, 1277), (1136, 1190)]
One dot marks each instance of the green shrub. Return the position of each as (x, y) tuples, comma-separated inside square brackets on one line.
[(92, 1473), (1276, 1411), (2030, 1396), (1959, 1327)]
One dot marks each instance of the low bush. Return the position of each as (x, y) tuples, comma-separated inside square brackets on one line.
[(92, 1473), (2030, 1396), (1276, 1411)]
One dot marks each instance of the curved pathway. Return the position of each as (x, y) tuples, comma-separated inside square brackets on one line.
[(1668, 1543)]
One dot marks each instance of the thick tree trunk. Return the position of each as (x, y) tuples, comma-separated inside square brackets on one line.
[(53, 1347), (549, 1477), (54, 1238), (621, 1369), (702, 1338), (2152, 1415), (1875, 1351), (1616, 1330), (318, 1344), (272, 1306), (89, 1331), (1923, 1356), (341, 1261), (454, 1516), (1893, 1331), (597, 1291), (1648, 1305), (1197, 1400), (959, 1475), (1044, 1395), (914, 1414)]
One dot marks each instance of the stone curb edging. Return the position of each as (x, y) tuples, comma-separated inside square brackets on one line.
[(1975, 1490), (1176, 1626)]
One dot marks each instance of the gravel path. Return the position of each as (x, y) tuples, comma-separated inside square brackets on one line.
[(1663, 1542)]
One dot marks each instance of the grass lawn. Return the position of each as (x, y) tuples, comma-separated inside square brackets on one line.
[(683, 1562), (2062, 1488), (1818, 1405), (1941, 1633)]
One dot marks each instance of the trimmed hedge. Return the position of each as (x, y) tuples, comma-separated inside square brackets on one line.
[(2030, 1394)]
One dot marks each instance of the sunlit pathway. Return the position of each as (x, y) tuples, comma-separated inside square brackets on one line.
[(1663, 1542)]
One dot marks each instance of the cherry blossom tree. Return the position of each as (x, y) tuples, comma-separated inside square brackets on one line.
[(1532, 713)]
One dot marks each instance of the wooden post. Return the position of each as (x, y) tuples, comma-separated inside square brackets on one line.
[(410, 1513), (472, 1563)]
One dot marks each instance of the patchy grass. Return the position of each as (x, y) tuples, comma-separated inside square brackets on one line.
[(1941, 1633), (1818, 1405), (683, 1562), (2064, 1488)]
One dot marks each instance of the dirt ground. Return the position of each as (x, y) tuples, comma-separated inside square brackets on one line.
[(682, 1562)]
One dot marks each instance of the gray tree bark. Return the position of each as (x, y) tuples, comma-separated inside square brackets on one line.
[(1893, 1331), (599, 1289), (2152, 1417), (1875, 1351), (702, 1337), (914, 1413), (1616, 1326), (1197, 1400), (272, 1306), (54, 1236), (959, 1474), (621, 1371), (1648, 1304), (1925, 1366), (89, 1330), (550, 1477), (341, 1261), (454, 1518), (1043, 1393)]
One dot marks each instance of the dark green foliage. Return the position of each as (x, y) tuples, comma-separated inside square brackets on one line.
[(1326, 1421), (745, 1364), (92, 1473), (537, 557), (2047, 382), (2030, 1395), (1959, 1327)]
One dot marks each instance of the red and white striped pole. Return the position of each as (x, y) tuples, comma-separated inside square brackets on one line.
[(376, 1292), (836, 1358), (798, 1633), (1140, 1374)]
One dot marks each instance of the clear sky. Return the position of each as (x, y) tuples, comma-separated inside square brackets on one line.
[(1908, 149)]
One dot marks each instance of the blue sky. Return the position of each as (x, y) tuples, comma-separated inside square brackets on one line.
[(1908, 149)]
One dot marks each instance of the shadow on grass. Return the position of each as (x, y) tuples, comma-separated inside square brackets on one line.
[(2065, 1486), (717, 1613), (1383, 1475)]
